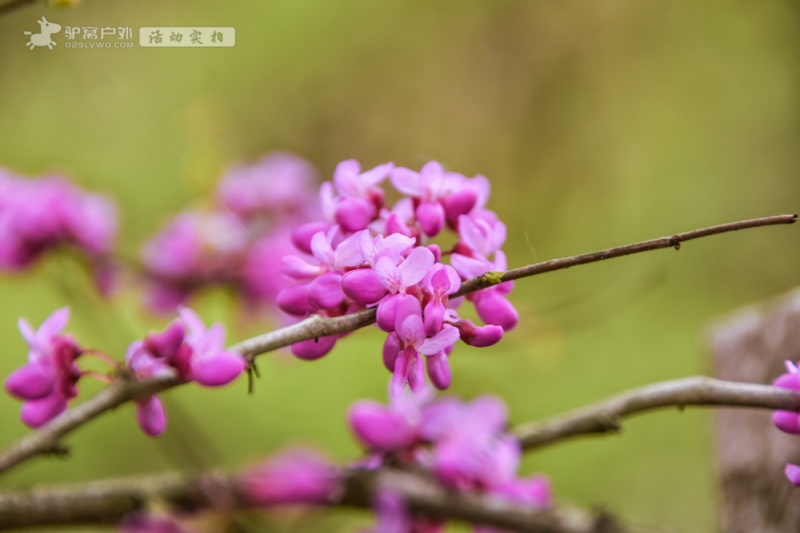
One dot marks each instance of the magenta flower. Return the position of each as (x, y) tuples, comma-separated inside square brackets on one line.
[(360, 200), (140, 523), (293, 477), (391, 428), (194, 250), (367, 286), (793, 474), (405, 347), (427, 188), (279, 184), (440, 282), (788, 421), (48, 381), (210, 364), (40, 214), (490, 303), (186, 350), (393, 516)]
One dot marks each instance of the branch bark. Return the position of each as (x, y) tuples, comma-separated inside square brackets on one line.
[(107, 501), (47, 439), (606, 416)]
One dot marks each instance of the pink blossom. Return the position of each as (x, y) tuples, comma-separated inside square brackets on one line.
[(187, 350), (297, 476), (440, 282), (140, 523), (40, 214), (279, 184), (210, 365), (394, 517), (409, 341), (359, 200), (195, 249), (391, 428), (48, 381), (788, 421)]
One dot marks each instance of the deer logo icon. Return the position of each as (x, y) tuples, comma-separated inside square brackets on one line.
[(43, 37)]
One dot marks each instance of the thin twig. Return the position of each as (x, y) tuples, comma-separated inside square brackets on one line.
[(47, 438), (605, 416), (673, 241)]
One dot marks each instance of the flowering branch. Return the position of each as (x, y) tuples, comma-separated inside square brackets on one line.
[(107, 501), (317, 326), (605, 416), (46, 440)]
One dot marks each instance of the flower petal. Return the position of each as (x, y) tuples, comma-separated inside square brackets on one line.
[(220, 369), (447, 337), (415, 266), (151, 417), (33, 381)]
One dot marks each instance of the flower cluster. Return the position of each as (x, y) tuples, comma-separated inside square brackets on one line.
[(239, 242), (789, 421), (364, 253), (49, 379), (187, 350), (39, 214), (464, 444), (295, 476)]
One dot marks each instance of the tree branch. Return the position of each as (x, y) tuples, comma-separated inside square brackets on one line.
[(46, 439), (107, 501), (605, 416)]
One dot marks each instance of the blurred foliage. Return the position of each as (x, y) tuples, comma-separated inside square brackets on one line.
[(598, 123)]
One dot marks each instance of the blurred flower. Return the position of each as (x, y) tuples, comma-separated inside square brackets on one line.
[(296, 476), (281, 184), (141, 523), (37, 215)]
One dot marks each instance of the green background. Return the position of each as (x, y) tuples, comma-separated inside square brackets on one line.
[(598, 124)]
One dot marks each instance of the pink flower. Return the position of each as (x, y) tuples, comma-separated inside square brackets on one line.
[(140, 523), (426, 187), (40, 214), (194, 250), (788, 421), (392, 428), (404, 346), (210, 364), (394, 517), (793, 474), (490, 303), (279, 184), (48, 381), (438, 284), (186, 350), (359, 200), (293, 477)]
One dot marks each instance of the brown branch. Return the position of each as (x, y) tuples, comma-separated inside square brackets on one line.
[(47, 438), (605, 416), (673, 241), (107, 501)]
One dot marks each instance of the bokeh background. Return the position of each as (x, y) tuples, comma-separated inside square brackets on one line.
[(598, 123)]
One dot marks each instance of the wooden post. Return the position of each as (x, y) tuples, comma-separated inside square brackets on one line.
[(752, 345)]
